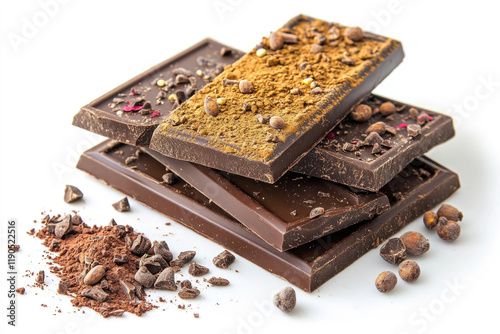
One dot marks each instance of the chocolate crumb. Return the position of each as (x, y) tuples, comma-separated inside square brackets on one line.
[(218, 281), (223, 260)]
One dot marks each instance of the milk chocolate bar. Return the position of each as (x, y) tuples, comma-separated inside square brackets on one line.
[(131, 112), (420, 186), (351, 156), (273, 105), (295, 210)]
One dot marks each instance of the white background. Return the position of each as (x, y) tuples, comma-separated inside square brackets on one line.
[(85, 48)]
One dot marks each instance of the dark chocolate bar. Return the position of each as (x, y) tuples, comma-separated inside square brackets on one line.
[(419, 187), (346, 157), (265, 112), (131, 112), (295, 210)]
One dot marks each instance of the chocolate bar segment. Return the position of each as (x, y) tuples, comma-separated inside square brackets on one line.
[(269, 115), (131, 112), (348, 157), (422, 185), (295, 210)]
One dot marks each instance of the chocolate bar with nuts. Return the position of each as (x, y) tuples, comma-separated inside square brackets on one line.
[(273, 105), (419, 187), (379, 138), (131, 112)]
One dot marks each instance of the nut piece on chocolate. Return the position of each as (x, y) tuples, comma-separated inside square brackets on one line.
[(166, 280), (218, 281), (223, 260), (361, 113), (355, 34), (122, 205), (415, 243), (285, 300), (414, 130), (379, 127), (72, 193), (197, 270), (211, 107), (277, 122), (246, 86), (393, 251), (276, 41), (387, 108)]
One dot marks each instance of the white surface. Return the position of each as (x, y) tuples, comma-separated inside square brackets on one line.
[(86, 48)]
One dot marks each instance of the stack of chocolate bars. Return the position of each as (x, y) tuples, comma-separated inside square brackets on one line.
[(281, 155)]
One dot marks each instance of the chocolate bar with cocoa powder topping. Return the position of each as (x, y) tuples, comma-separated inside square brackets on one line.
[(272, 106)]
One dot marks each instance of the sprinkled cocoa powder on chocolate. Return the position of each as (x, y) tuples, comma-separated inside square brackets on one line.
[(237, 132)]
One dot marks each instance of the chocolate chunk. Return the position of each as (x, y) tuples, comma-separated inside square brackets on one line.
[(62, 287), (120, 259), (393, 251), (154, 264), (95, 293), (72, 193), (223, 260), (144, 277), (40, 277), (140, 245), (186, 256), (63, 227), (128, 289), (161, 248), (197, 270), (166, 280), (122, 205)]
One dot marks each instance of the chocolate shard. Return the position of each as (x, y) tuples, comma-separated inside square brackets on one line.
[(122, 205), (166, 280), (95, 293), (63, 227), (72, 193), (307, 266)]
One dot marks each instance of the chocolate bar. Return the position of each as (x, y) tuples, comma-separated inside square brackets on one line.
[(420, 186), (295, 210), (272, 106), (348, 157), (131, 112)]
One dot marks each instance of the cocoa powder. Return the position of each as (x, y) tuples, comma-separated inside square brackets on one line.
[(86, 247)]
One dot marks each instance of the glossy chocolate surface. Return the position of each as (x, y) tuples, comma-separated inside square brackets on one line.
[(106, 117), (419, 187)]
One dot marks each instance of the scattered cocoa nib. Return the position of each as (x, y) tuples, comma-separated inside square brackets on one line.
[(120, 259), (140, 245), (197, 270), (186, 284), (218, 281), (71, 194), (14, 248), (229, 82), (186, 256), (155, 263), (95, 293), (223, 260), (122, 205), (285, 300), (189, 293), (414, 130), (21, 290), (144, 277), (289, 38), (63, 227), (161, 248), (166, 280)]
